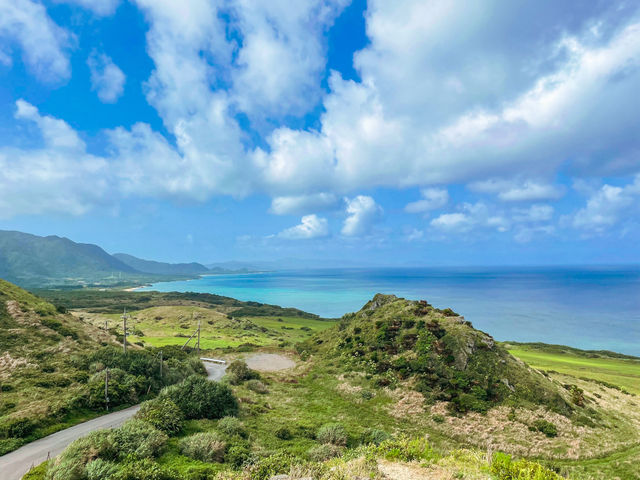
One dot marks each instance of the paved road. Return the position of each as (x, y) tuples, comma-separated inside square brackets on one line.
[(15, 464)]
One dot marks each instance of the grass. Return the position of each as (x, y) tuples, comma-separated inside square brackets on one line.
[(622, 372), (172, 325)]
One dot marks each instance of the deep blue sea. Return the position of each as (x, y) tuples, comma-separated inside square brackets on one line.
[(587, 307)]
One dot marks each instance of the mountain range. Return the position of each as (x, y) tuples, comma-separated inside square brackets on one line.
[(35, 261)]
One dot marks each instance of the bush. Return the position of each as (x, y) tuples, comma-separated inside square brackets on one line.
[(163, 414), (257, 386), (506, 469), (276, 464), (123, 388), (548, 428), (373, 435), (283, 433), (238, 372), (206, 447), (237, 455), (333, 433), (72, 462), (231, 427), (324, 452), (199, 398), (138, 438), (101, 470), (145, 470), (406, 450)]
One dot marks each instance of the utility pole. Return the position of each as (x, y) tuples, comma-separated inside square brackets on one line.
[(124, 340), (106, 388), (199, 320)]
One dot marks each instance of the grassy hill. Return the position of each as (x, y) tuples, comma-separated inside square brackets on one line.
[(52, 368), (161, 268), (439, 353)]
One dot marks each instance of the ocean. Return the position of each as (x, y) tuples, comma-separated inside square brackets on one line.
[(585, 307)]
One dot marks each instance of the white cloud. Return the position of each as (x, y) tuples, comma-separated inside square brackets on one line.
[(437, 107), (535, 213), (518, 190), (303, 203), (311, 226), (55, 177), (363, 212), (471, 216), (106, 78), (282, 57), (99, 7), (432, 199), (43, 43), (608, 206)]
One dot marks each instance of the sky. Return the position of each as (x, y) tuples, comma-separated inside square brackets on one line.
[(413, 132)]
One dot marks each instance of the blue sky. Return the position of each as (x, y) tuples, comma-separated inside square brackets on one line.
[(410, 132)]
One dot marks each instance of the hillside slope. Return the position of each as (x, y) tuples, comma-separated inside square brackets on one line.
[(161, 268), (438, 353), (52, 369), (28, 259)]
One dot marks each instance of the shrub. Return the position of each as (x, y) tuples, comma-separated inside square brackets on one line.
[(506, 469), (237, 455), (238, 372), (163, 414), (438, 418), (199, 398), (145, 470), (283, 433), (406, 450), (100, 470), (139, 438), (231, 427), (373, 435), (577, 396), (324, 452), (333, 433), (19, 427), (206, 447), (257, 386), (122, 388), (268, 467), (543, 426), (72, 462)]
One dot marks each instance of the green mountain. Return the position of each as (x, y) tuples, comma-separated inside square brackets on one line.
[(436, 351), (27, 259), (161, 268)]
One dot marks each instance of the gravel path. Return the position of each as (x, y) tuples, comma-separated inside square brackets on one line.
[(15, 464), (269, 362)]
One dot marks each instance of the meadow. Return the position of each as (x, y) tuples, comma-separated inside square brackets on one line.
[(608, 367)]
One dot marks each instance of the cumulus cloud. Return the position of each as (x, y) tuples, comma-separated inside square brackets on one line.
[(432, 199), (57, 176), (470, 216), (518, 190), (428, 112), (608, 206), (303, 203), (363, 212), (43, 43), (535, 213), (282, 58), (106, 78), (311, 226)]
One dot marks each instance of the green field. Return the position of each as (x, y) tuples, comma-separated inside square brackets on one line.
[(173, 325), (621, 371)]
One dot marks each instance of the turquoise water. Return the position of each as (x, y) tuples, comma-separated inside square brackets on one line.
[(592, 308)]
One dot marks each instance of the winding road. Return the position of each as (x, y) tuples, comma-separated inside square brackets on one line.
[(15, 464)]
